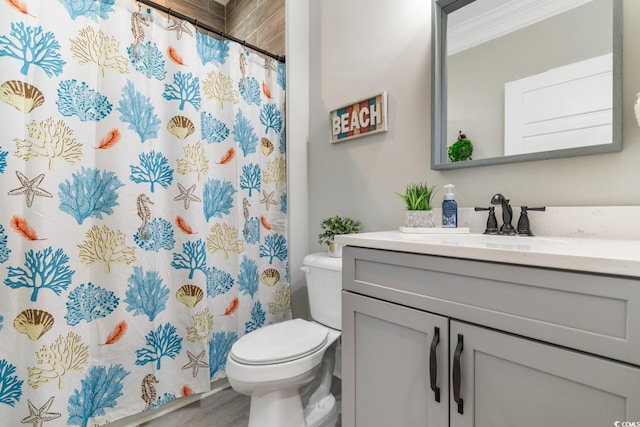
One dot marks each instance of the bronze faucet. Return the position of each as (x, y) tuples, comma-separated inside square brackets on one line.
[(524, 227), (507, 214)]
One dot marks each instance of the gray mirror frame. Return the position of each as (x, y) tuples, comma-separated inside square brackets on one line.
[(439, 158)]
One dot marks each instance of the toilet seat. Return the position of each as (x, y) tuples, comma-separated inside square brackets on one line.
[(279, 343)]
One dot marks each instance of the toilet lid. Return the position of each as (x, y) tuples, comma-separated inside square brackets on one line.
[(280, 342)]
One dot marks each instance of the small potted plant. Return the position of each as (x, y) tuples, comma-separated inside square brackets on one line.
[(333, 226), (417, 199), (460, 150)]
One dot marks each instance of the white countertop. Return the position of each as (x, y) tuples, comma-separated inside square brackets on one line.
[(620, 257)]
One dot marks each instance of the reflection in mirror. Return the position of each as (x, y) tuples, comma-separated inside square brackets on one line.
[(525, 79)]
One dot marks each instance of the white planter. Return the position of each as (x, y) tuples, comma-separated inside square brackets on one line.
[(425, 219), (335, 250)]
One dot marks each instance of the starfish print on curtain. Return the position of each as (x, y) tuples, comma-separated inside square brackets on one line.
[(143, 198)]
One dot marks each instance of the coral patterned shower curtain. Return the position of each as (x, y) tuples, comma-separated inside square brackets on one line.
[(142, 208)]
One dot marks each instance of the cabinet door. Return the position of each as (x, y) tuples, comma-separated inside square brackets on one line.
[(391, 354), (507, 381)]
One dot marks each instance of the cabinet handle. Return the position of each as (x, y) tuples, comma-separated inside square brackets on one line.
[(457, 375), (433, 363)]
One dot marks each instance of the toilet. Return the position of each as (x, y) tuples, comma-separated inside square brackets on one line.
[(287, 367)]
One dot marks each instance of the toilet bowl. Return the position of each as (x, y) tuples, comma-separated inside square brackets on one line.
[(287, 367)]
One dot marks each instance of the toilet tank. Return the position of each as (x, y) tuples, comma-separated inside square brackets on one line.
[(324, 287)]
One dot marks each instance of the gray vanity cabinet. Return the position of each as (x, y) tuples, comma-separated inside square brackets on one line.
[(391, 356), (517, 358), (508, 381)]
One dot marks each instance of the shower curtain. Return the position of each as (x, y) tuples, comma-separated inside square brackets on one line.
[(143, 213)]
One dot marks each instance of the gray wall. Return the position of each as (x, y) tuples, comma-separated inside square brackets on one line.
[(360, 47)]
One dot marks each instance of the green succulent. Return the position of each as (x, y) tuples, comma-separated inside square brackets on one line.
[(417, 197), (335, 225)]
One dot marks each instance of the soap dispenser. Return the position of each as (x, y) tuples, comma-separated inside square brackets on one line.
[(449, 208)]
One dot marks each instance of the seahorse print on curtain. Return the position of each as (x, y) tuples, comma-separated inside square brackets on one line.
[(143, 206)]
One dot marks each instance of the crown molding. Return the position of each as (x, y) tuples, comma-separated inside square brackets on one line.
[(502, 20)]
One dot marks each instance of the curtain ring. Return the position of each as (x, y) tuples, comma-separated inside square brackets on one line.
[(169, 15)]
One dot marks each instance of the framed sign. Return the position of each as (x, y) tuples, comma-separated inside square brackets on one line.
[(359, 118)]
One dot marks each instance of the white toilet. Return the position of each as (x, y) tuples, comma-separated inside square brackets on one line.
[(284, 364)]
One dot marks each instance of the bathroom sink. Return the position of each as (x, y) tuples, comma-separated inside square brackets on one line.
[(486, 240), (595, 255)]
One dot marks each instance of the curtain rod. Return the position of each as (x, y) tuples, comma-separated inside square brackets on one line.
[(207, 28)]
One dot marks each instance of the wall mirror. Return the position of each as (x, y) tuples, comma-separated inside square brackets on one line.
[(525, 80)]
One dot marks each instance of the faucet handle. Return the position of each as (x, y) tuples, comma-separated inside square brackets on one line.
[(492, 222), (524, 226)]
